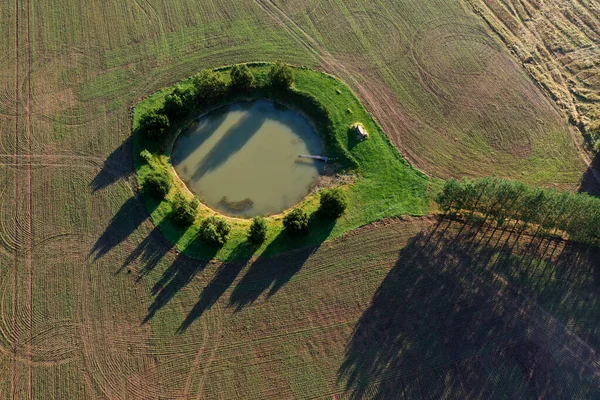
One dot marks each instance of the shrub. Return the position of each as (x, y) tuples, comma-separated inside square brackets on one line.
[(209, 85), (258, 230), (333, 203), (157, 184), (154, 125), (187, 96), (173, 107), (241, 77), (281, 75), (146, 155), (184, 211), (296, 222), (214, 231)]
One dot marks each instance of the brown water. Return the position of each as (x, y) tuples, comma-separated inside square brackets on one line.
[(243, 160)]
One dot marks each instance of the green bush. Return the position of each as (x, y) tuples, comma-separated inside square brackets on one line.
[(214, 231), (187, 95), (281, 75), (179, 103), (296, 222), (184, 211), (146, 155), (258, 230), (333, 203), (155, 125), (157, 184), (173, 107), (241, 77), (209, 85)]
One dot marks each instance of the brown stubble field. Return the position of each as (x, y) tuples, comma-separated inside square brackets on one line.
[(95, 304)]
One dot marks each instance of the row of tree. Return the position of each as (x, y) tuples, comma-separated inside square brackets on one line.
[(501, 200), (208, 87), (215, 230)]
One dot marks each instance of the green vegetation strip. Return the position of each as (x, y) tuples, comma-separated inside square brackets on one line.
[(500, 200), (383, 184)]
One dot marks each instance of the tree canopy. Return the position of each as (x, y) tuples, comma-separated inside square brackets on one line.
[(241, 77), (154, 125), (281, 75), (577, 215)]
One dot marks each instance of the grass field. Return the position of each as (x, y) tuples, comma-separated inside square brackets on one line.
[(96, 304), (557, 42)]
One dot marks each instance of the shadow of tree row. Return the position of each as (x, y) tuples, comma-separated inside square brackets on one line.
[(437, 328), (265, 274)]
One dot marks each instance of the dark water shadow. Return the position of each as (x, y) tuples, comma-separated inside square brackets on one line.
[(221, 281), (217, 117), (270, 274), (118, 165), (129, 217), (232, 141), (437, 318), (241, 132)]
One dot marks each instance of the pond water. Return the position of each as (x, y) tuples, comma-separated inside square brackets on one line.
[(243, 160)]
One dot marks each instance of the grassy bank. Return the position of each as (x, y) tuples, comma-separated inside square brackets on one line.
[(385, 185)]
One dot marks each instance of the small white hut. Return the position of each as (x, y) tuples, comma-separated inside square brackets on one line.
[(361, 132)]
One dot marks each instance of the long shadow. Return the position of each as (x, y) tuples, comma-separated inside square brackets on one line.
[(173, 279), (208, 127), (124, 223), (222, 280), (590, 181), (232, 141), (117, 166), (270, 274), (149, 252), (437, 318)]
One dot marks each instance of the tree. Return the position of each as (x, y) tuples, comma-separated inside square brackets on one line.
[(333, 203), (157, 184), (296, 222), (214, 231), (173, 107), (450, 198), (209, 85), (187, 95), (154, 125), (258, 230), (184, 211), (281, 75), (241, 77)]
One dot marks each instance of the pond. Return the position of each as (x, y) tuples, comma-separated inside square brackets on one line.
[(242, 159)]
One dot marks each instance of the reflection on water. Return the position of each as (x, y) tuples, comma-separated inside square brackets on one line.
[(243, 159)]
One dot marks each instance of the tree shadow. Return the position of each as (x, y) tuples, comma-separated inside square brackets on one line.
[(270, 274), (208, 127), (150, 251), (221, 281), (232, 141), (438, 317), (129, 217), (174, 278), (590, 181), (117, 166)]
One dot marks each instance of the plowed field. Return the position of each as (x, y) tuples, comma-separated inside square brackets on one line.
[(95, 304)]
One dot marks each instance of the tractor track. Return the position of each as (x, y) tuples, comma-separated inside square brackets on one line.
[(14, 361), (28, 258), (22, 192)]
